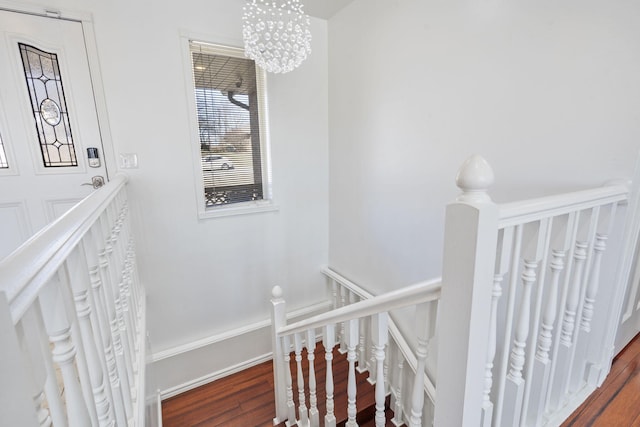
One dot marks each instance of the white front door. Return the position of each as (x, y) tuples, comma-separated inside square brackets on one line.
[(50, 144)]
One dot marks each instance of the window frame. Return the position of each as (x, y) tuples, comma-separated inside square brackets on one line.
[(266, 204)]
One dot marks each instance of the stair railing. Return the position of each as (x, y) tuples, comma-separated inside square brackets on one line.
[(401, 363), (543, 341), (72, 320), (343, 325)]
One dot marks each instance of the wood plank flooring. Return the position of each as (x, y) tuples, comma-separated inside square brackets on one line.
[(617, 402), (246, 399)]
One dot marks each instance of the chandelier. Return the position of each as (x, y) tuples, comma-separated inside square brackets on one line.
[(276, 34)]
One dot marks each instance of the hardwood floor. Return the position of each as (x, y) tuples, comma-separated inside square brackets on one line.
[(617, 402), (246, 399)]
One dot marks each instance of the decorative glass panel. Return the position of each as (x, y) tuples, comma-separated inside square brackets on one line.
[(3, 156), (42, 72)]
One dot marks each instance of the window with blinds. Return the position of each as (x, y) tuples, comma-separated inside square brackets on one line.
[(229, 99)]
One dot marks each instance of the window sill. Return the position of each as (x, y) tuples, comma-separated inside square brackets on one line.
[(239, 209)]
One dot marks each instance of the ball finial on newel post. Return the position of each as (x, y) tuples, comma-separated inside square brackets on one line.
[(276, 292), (474, 178)]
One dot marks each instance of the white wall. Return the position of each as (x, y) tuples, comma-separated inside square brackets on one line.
[(547, 91), (208, 277)]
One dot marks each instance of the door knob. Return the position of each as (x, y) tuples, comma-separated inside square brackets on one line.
[(96, 182)]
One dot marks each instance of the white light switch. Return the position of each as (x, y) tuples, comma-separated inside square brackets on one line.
[(128, 161)]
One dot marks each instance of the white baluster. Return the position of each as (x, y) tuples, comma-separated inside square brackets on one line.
[(343, 326), (385, 369), (314, 417), (586, 366), (291, 407), (352, 342), (551, 307), (594, 282), (487, 405), (303, 415), (397, 408), (334, 294), (102, 310), (111, 305), (514, 391), (362, 351), (379, 327), (329, 342), (561, 375), (569, 320), (64, 354), (53, 307), (423, 327), (372, 366), (34, 374), (542, 362), (127, 331), (79, 276), (522, 326), (51, 387), (44, 419)]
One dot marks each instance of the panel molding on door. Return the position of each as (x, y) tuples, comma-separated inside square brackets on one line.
[(16, 226)]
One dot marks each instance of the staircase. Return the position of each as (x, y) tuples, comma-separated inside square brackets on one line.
[(523, 332)]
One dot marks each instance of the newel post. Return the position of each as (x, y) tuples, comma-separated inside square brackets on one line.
[(471, 230), (278, 320)]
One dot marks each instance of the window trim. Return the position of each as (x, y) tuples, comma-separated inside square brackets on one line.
[(267, 204)]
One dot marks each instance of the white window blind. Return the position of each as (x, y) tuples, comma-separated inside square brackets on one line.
[(229, 99)]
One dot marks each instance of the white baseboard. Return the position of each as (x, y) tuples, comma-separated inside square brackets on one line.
[(185, 367), (206, 379)]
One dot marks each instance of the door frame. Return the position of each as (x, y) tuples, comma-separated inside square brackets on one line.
[(624, 274), (95, 73)]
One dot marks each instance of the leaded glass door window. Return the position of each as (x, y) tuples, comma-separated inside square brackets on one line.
[(4, 163), (48, 120), (49, 106)]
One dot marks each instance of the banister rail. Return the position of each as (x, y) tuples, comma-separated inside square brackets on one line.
[(72, 315), (406, 354), (360, 328), (520, 212), (411, 295), (521, 285), (28, 268)]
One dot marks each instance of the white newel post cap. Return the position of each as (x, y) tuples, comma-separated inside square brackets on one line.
[(474, 178), (276, 292)]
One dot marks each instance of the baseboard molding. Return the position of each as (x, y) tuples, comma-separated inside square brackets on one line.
[(214, 339), (206, 379), (185, 367)]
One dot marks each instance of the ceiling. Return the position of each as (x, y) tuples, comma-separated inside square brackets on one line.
[(324, 9)]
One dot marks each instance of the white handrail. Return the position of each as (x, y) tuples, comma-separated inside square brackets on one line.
[(521, 212), (398, 337), (411, 295), (25, 271)]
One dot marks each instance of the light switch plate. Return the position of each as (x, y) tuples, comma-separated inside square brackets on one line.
[(128, 161)]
